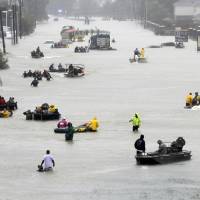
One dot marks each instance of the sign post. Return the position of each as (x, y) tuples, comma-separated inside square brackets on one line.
[(198, 40)]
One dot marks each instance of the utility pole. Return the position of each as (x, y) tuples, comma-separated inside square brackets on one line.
[(20, 19), (2, 33), (16, 24), (13, 24), (145, 13)]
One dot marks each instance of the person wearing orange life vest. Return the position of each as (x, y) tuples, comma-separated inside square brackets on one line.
[(189, 99)]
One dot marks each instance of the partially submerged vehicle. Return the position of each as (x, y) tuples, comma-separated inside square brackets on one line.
[(100, 41), (173, 153)]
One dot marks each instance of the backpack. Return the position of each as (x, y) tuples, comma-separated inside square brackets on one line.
[(138, 144)]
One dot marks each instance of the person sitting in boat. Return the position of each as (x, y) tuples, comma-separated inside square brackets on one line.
[(5, 113), (62, 124), (33, 53), (35, 82), (38, 109), (38, 50), (30, 73), (93, 125), (45, 106), (52, 109), (177, 146), (162, 147), (136, 121), (196, 99), (189, 99), (51, 67), (142, 53), (11, 103), (140, 145), (2, 101), (60, 67)]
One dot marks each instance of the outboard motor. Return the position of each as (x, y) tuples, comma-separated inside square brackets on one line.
[(177, 146)]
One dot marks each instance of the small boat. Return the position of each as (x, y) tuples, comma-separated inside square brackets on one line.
[(43, 116), (155, 158), (69, 75), (139, 60)]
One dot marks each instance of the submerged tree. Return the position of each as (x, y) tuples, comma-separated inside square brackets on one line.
[(3, 61)]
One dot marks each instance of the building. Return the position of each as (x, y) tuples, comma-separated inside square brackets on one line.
[(186, 12)]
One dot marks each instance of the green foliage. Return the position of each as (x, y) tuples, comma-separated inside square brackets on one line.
[(34, 10), (28, 24)]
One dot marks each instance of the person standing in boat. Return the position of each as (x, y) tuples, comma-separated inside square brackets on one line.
[(140, 145)]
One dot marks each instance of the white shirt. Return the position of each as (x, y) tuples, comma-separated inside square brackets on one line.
[(48, 163)]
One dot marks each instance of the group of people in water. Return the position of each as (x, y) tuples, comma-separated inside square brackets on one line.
[(191, 100), (37, 75), (48, 162), (90, 126)]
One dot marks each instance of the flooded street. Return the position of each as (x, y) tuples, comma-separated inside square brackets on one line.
[(101, 165)]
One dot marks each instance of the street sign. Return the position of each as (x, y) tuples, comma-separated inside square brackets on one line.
[(181, 36)]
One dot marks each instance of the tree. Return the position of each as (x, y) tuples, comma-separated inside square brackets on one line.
[(3, 61)]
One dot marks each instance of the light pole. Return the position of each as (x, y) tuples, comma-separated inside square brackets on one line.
[(145, 13)]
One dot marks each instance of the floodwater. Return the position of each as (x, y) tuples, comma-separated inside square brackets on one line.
[(101, 165)]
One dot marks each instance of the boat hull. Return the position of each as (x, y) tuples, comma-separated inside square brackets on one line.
[(152, 158)]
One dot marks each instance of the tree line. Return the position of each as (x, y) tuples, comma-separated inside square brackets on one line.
[(158, 11)]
